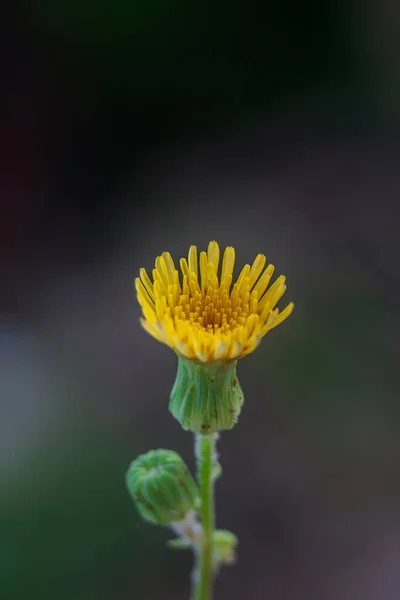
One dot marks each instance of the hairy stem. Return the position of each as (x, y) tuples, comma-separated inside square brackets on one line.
[(203, 582)]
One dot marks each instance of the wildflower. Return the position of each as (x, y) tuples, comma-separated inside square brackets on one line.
[(200, 316), (210, 324)]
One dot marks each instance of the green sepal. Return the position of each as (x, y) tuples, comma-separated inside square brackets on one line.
[(206, 397), (161, 486)]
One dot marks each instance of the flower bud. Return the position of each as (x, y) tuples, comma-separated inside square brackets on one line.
[(162, 487), (206, 397), (225, 543)]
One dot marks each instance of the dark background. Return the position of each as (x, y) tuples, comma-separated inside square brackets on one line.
[(130, 128)]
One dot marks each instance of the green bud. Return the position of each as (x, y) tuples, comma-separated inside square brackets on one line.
[(206, 397), (225, 543), (162, 486)]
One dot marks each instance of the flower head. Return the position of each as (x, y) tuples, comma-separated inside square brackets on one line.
[(161, 486), (201, 315)]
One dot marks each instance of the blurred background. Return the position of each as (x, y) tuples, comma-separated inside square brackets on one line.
[(130, 128)]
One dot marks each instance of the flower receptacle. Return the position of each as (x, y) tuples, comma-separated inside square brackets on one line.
[(206, 397)]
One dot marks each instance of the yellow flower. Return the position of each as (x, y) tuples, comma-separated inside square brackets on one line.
[(200, 316)]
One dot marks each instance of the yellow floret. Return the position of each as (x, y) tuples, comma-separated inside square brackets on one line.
[(200, 315)]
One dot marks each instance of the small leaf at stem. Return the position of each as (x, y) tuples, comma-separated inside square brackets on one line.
[(179, 544), (216, 470)]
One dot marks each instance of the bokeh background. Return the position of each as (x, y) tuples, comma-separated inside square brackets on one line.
[(129, 128)]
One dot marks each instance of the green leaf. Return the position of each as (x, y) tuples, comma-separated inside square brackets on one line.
[(179, 544)]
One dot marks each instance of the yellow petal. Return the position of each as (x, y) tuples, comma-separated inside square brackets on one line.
[(283, 315), (203, 271), (264, 280), (213, 255), (256, 269), (193, 262), (147, 283), (228, 263)]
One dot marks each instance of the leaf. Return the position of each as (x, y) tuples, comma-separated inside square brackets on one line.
[(179, 544)]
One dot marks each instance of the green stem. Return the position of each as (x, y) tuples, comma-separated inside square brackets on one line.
[(205, 445)]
